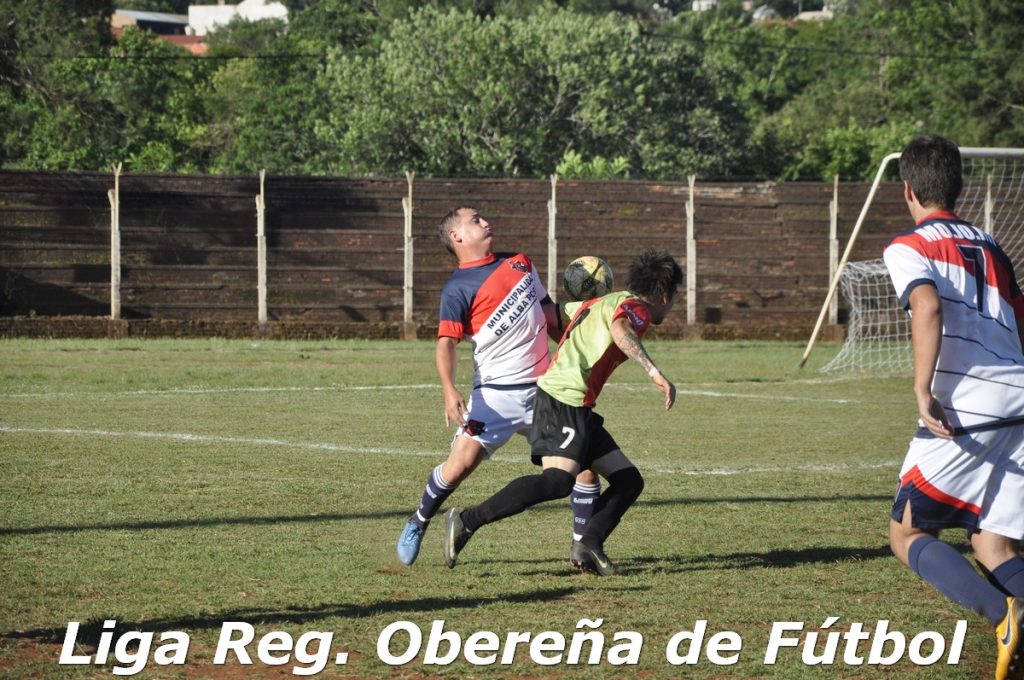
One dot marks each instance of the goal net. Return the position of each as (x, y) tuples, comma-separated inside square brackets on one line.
[(878, 329)]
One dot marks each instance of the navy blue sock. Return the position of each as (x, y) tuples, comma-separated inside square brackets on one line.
[(952, 575), (1010, 576), (582, 501), (434, 495)]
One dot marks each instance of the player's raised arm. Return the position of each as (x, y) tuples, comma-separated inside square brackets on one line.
[(628, 341), (446, 359)]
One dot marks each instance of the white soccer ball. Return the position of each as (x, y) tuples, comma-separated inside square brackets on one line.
[(587, 277)]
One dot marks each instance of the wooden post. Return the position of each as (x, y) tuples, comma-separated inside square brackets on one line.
[(114, 196), (553, 286), (261, 254), (833, 248), (691, 259), (408, 328)]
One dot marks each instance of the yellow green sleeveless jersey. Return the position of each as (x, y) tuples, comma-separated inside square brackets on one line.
[(587, 354)]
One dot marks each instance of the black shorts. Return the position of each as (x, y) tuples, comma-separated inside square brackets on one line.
[(574, 432)]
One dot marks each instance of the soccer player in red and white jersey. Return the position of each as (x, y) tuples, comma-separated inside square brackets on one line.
[(567, 435), (965, 466), (497, 301)]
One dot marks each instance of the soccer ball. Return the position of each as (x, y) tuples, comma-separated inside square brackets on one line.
[(587, 277)]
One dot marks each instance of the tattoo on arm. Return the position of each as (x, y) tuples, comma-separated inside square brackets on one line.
[(629, 342)]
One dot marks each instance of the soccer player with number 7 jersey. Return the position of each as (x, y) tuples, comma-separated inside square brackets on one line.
[(567, 436), (965, 466)]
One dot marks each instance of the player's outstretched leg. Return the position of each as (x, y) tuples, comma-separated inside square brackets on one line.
[(1010, 656), (518, 495), (435, 493)]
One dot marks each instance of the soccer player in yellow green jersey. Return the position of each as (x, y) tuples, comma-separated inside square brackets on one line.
[(567, 435)]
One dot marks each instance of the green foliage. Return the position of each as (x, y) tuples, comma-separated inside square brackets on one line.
[(138, 104), (573, 166), (31, 52), (241, 37), (956, 72), (512, 88), (510, 96), (265, 110)]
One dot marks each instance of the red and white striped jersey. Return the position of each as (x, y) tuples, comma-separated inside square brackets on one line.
[(979, 377), (496, 303)]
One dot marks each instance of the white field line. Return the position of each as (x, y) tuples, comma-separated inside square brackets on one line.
[(633, 387), (809, 467), (217, 439), (224, 390), (340, 448)]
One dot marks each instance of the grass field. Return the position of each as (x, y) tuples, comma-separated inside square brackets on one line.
[(177, 485)]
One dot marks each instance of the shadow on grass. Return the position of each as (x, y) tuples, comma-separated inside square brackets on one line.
[(673, 564), (208, 522), (395, 514), (855, 498), (772, 559), (89, 632)]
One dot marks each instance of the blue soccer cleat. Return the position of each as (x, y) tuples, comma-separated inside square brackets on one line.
[(409, 542)]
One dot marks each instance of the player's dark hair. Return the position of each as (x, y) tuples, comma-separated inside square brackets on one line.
[(653, 275), (449, 222), (931, 165)]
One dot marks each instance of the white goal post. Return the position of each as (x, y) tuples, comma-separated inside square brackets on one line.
[(878, 330)]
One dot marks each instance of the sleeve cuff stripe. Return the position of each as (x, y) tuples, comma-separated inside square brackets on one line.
[(905, 298)]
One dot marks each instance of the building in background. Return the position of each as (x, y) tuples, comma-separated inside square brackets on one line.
[(172, 28), (160, 23), (204, 19)]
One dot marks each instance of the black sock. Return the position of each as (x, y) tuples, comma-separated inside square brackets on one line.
[(624, 488), (518, 495)]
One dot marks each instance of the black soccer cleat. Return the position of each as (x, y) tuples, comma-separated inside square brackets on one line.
[(455, 536), (591, 560)]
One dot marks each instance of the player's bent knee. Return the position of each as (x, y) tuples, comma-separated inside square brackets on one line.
[(992, 550), (629, 480), (557, 483)]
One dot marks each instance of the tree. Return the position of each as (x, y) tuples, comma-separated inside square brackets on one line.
[(958, 71), (137, 104), (267, 105), (30, 50), (451, 93)]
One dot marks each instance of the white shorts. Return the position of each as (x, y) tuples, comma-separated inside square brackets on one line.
[(975, 481), (494, 414)]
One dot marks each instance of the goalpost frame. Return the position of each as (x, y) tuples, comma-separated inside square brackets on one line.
[(965, 152)]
